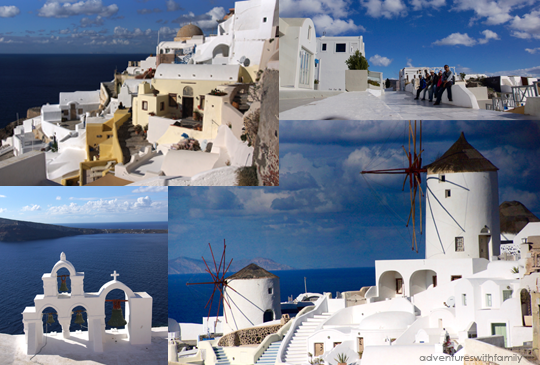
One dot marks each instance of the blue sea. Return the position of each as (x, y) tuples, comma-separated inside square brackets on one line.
[(140, 259), (187, 303), (34, 80)]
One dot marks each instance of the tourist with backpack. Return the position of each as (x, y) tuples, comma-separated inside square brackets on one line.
[(446, 84)]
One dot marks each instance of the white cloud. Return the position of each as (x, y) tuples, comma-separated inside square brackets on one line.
[(55, 9), (166, 31), (532, 50), (455, 39), (3, 40), (380, 60), (173, 5), (488, 34), (64, 31), (495, 11), (2, 210), (409, 62), (58, 198), (2, 196), (424, 4), (151, 189), (9, 11), (87, 22), (207, 21), (324, 23), (31, 208), (125, 33), (143, 202), (529, 25), (529, 72), (334, 8), (385, 8)]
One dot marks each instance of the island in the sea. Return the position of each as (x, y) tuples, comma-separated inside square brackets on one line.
[(19, 231)]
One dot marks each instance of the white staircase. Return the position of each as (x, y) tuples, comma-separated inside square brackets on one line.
[(297, 351), (269, 355), (222, 358)]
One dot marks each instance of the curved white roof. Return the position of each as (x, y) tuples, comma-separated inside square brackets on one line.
[(173, 326), (198, 72), (387, 320)]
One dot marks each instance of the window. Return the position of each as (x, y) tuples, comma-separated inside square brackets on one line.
[(270, 290), (324, 47), (341, 47), (443, 178), (447, 193), (399, 286), (309, 33), (65, 112), (80, 111), (455, 277), (172, 100), (265, 19), (434, 281), (162, 106), (488, 300), (460, 244), (305, 68), (464, 299), (507, 294), (337, 343), (144, 105)]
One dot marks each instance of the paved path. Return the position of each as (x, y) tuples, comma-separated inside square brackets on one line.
[(392, 105)]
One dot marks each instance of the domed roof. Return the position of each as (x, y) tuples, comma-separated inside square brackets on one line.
[(188, 31), (252, 271), (173, 326)]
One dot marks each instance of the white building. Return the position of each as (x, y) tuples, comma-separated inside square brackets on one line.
[(252, 297), (299, 45), (332, 52), (138, 313), (408, 74)]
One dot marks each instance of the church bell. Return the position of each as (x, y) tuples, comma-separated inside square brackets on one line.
[(79, 319), (63, 285), (117, 317), (50, 319)]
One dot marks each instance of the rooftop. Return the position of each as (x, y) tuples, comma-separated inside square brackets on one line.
[(252, 271)]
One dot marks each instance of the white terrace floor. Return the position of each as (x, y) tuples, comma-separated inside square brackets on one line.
[(392, 105), (75, 350)]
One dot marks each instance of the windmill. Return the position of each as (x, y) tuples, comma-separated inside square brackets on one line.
[(219, 282), (412, 173)]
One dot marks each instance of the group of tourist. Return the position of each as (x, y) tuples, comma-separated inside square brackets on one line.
[(435, 84)]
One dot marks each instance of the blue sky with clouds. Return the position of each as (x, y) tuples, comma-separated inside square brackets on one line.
[(86, 205), (324, 213), (476, 36), (100, 26)]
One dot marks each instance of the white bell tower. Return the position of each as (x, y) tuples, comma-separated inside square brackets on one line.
[(462, 205)]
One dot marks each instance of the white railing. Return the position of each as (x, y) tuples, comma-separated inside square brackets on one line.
[(521, 93), (321, 306)]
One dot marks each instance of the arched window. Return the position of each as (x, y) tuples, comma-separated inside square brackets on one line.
[(268, 315)]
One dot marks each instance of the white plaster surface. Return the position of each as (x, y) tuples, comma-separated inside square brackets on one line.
[(390, 106), (76, 350), (198, 72)]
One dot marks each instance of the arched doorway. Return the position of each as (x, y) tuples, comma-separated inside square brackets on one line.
[(526, 314), (421, 280), (268, 315), (187, 102), (391, 285)]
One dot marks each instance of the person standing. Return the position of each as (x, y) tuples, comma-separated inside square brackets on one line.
[(429, 83), (435, 85), (446, 85)]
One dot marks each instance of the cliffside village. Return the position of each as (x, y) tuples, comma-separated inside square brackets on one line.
[(201, 111)]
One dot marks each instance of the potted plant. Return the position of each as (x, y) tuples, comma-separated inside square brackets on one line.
[(197, 115), (138, 129), (316, 82), (342, 359)]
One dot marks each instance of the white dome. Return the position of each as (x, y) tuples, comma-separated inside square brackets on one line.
[(387, 320)]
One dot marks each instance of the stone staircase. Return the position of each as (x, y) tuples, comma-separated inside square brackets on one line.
[(297, 351), (222, 359), (130, 141), (269, 356)]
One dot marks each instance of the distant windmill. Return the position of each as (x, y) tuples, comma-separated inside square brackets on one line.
[(218, 280), (412, 172)]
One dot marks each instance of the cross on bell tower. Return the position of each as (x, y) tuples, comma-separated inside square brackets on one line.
[(114, 275)]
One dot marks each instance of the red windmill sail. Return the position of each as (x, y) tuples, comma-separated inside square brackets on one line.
[(411, 172), (218, 280)]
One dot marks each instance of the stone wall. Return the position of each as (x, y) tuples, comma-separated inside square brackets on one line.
[(266, 152), (33, 112), (249, 336)]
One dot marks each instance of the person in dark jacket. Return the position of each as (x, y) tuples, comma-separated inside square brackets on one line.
[(423, 84), (434, 85), (446, 85), (429, 81)]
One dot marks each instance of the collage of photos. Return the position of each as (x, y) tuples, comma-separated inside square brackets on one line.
[(370, 196)]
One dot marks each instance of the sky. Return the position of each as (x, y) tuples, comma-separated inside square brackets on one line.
[(494, 37), (101, 26), (88, 205), (325, 214)]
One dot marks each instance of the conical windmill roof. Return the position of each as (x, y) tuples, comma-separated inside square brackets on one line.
[(252, 271), (514, 216), (461, 157)]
